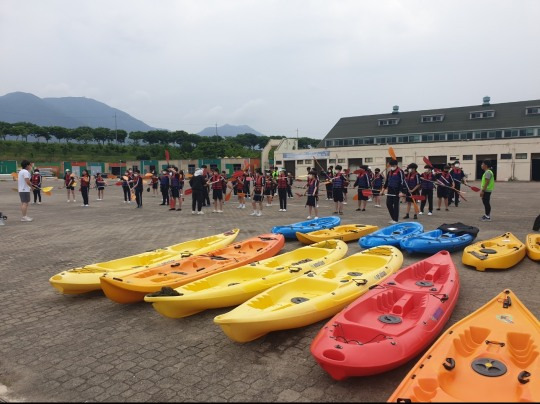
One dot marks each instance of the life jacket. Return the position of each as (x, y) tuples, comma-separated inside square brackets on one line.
[(137, 182), (259, 184), (239, 184), (175, 180), (426, 184), (445, 179), (85, 181), (67, 179), (99, 181), (268, 183), (36, 179), (338, 181), (154, 179), (363, 181), (412, 180), (282, 182), (395, 179), (377, 181), (219, 182), (311, 186), (164, 180)]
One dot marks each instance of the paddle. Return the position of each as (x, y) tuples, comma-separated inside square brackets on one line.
[(188, 191), (228, 196), (475, 189), (46, 190), (392, 153)]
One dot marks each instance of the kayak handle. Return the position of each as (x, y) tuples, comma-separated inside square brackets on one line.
[(360, 282), (502, 344), (449, 364), (523, 377), (507, 302)]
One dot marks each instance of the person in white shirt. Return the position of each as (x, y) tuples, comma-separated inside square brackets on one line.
[(25, 186)]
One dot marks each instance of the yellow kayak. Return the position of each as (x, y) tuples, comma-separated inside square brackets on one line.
[(345, 232), (489, 356), (533, 246), (312, 297), (86, 279), (501, 252), (237, 285)]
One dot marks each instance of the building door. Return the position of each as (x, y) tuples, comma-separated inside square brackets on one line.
[(438, 161), (354, 164), (482, 157), (535, 166), (319, 164), (290, 167)]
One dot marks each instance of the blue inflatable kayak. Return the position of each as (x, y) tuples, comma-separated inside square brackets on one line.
[(434, 241), (391, 235), (289, 231)]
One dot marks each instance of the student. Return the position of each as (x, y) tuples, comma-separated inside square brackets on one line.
[(412, 183), (24, 186), (175, 188), (85, 187), (427, 187), (486, 188), (100, 184), (290, 181), (238, 186), (337, 190), (329, 186), (268, 186), (257, 192), (377, 184), (125, 186), (282, 184), (69, 179), (206, 188), (345, 187), (181, 181), (164, 187), (445, 180), (393, 184), (216, 180), (247, 183), (371, 176), (138, 187), (362, 182), (197, 184), (312, 194), (459, 177), (36, 185), (154, 182)]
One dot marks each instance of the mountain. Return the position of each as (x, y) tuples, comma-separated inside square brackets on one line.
[(228, 130), (68, 112)]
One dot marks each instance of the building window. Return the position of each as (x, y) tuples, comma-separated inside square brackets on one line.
[(481, 114), (299, 161), (332, 161), (341, 161), (368, 160), (521, 156), (388, 122), (467, 157), (369, 140), (358, 141), (506, 156), (308, 162), (453, 158), (427, 138), (279, 162), (432, 118), (532, 110)]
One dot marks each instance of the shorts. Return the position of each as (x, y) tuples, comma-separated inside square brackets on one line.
[(338, 195), (311, 201), (100, 188), (344, 190), (217, 194), (25, 197), (442, 192), (72, 188), (175, 192), (409, 199), (376, 192), (154, 186), (257, 197), (268, 192)]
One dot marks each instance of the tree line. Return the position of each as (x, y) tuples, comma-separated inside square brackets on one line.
[(146, 145)]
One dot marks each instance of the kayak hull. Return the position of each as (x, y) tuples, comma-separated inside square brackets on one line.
[(533, 246), (344, 232), (391, 235), (434, 241), (289, 231), (502, 252)]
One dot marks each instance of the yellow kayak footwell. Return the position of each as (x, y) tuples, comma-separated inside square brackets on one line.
[(237, 285), (312, 297), (533, 246)]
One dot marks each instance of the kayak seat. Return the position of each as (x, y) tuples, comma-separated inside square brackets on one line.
[(403, 305), (434, 273)]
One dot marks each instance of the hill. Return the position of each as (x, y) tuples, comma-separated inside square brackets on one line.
[(229, 130), (68, 112)]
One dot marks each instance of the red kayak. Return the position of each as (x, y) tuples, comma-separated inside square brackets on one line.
[(392, 323)]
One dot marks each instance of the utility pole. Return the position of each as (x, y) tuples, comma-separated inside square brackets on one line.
[(216, 129), (115, 129)]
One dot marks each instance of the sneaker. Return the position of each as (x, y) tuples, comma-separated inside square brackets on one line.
[(281, 210), (33, 203), (39, 203), (129, 201), (74, 200), (344, 203), (200, 213), (420, 213), (193, 212), (340, 213), (363, 210), (179, 209), (259, 214), (377, 206), (172, 209), (243, 206), (316, 217), (309, 217), (335, 213), (358, 210), (392, 222), (284, 210), (447, 209), (406, 216), (82, 205), (438, 209), (486, 218), (159, 204), (415, 217), (239, 207), (214, 211), (68, 200), (219, 211), (369, 200), (429, 213), (126, 202), (253, 214), (26, 219)]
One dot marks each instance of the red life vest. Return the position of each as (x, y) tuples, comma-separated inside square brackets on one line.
[(282, 182), (259, 182), (67, 179), (36, 179), (239, 184), (218, 184), (85, 181)]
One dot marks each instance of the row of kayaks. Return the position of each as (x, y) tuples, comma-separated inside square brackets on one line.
[(382, 316)]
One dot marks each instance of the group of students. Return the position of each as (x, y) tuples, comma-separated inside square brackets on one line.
[(70, 182)]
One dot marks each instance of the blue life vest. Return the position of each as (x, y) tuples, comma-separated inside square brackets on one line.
[(395, 179)]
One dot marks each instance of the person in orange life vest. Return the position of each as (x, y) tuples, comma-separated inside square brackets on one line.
[(337, 189), (377, 184), (100, 185), (238, 187), (413, 184), (393, 184), (216, 182), (154, 181), (69, 179), (138, 186), (444, 178), (257, 192), (459, 178), (36, 180), (363, 181), (175, 188), (268, 185), (427, 189), (85, 187), (282, 183), (312, 193)]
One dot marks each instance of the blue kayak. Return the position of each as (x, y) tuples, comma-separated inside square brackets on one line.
[(434, 241), (289, 231), (391, 235)]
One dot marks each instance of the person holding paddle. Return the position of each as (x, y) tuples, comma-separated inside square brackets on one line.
[(377, 184), (443, 178), (338, 182), (362, 182), (427, 179), (412, 182), (85, 187), (36, 184), (459, 178), (393, 184), (282, 184), (25, 185), (257, 192), (312, 194), (69, 179)]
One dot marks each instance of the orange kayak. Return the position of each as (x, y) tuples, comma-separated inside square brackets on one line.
[(133, 287), (491, 355)]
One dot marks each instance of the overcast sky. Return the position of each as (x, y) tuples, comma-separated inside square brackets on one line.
[(276, 66)]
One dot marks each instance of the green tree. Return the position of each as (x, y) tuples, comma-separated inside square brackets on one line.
[(101, 134)]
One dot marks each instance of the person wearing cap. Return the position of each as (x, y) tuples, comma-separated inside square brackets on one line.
[(363, 182), (393, 185), (197, 184), (444, 183), (69, 179), (36, 180), (377, 184), (426, 189), (486, 188), (459, 178), (412, 184)]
